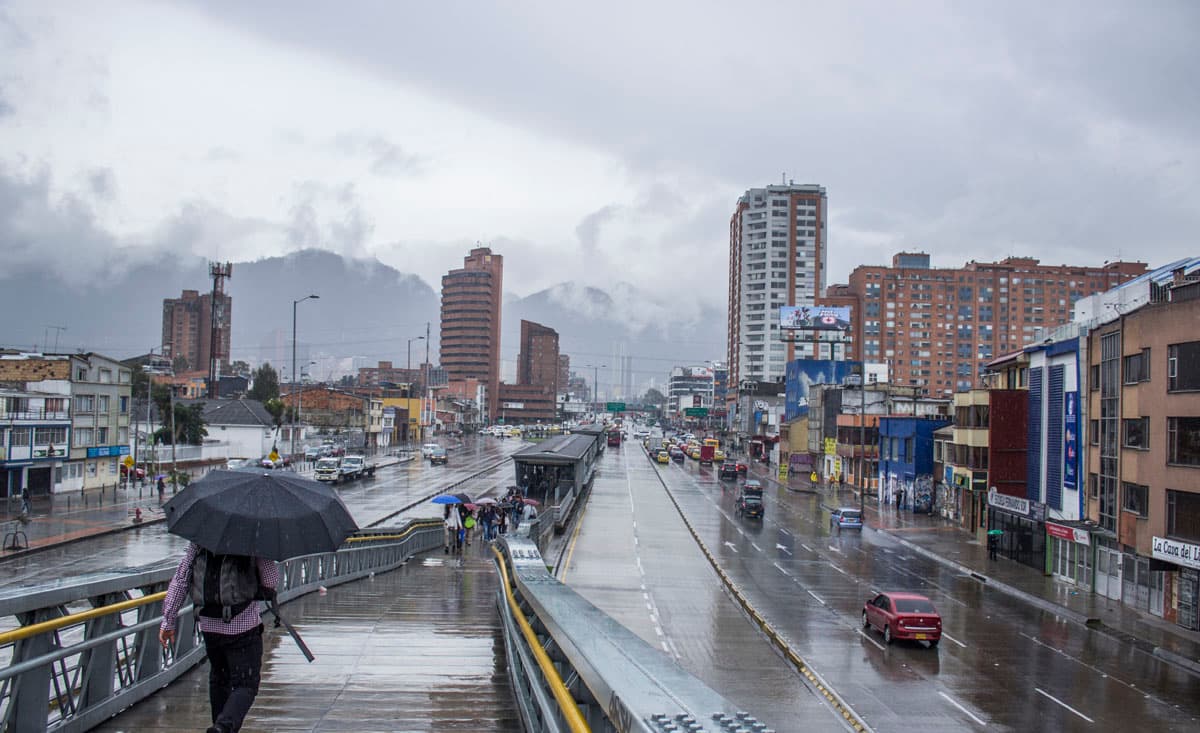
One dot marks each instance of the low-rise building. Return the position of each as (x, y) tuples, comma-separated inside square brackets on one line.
[(906, 460), (34, 440)]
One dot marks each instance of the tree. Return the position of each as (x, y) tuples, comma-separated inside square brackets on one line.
[(653, 397), (180, 364), (189, 426), (266, 384), (277, 408), (139, 382)]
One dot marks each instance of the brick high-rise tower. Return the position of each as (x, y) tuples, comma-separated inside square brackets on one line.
[(187, 329), (470, 328)]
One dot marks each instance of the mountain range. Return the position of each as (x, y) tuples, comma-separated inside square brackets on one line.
[(366, 312)]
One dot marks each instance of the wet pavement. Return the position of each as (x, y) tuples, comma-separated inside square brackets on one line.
[(1016, 654)]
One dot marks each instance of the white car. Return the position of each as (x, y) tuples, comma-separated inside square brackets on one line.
[(428, 449)]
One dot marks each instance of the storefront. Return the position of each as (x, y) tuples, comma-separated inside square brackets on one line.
[(1021, 523), (1183, 559), (1069, 552)]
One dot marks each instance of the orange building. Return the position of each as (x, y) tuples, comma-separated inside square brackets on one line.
[(470, 335)]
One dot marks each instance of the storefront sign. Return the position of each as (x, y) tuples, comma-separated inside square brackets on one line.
[(1068, 533), (105, 451), (830, 446), (1011, 504), (1176, 552), (1071, 440)]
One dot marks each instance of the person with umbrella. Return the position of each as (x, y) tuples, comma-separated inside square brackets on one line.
[(233, 642), (453, 525), (238, 524)]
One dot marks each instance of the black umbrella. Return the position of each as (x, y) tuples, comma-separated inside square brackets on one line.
[(464, 498), (269, 514)]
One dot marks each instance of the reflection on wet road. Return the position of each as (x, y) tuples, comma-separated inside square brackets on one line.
[(1002, 664)]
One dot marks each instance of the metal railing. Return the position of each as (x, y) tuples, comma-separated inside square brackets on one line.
[(83, 651), (574, 668)]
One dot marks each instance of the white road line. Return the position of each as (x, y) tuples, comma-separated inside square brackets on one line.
[(781, 569), (814, 595), (951, 638), (835, 567), (1060, 702), (806, 547), (784, 531), (756, 547), (868, 638), (835, 549), (965, 712)]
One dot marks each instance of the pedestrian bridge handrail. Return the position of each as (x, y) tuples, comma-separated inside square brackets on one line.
[(617, 681), (87, 648)]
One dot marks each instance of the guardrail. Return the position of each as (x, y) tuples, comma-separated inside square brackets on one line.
[(86, 650), (574, 668)]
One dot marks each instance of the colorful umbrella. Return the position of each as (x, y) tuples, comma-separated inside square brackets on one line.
[(533, 502), (446, 499), (485, 500)]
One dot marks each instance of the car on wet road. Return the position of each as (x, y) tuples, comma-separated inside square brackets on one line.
[(438, 457), (749, 502), (899, 615), (663, 457), (728, 471), (846, 518)]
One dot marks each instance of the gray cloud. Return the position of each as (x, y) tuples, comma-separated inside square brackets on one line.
[(329, 217), (384, 157), (967, 130), (103, 183), (6, 107), (588, 230)]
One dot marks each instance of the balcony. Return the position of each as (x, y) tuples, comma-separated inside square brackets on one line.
[(36, 416)]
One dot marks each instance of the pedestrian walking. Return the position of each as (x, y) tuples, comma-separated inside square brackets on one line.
[(468, 521), (488, 516), (501, 520), (993, 543), (452, 521), (224, 589), (26, 502), (162, 490), (900, 499)]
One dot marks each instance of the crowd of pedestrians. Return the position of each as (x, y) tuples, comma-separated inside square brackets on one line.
[(495, 517)]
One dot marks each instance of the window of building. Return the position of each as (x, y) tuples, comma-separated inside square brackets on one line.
[(1136, 433), (85, 403), (1183, 367), (1094, 377), (102, 404), (1135, 498), (1093, 485), (20, 436), (84, 437), (1183, 515), (1110, 427), (1137, 367), (106, 376), (81, 375), (101, 436), (50, 436), (1183, 441), (1094, 432)]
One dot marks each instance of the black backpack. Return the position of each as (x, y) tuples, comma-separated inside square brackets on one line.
[(225, 585)]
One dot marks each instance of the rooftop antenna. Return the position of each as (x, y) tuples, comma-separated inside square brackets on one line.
[(783, 178), (46, 336), (217, 315)]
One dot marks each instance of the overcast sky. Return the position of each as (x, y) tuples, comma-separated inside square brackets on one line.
[(596, 142)]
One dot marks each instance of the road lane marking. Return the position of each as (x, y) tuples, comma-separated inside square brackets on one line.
[(784, 531), (1060, 702), (835, 549), (806, 547), (956, 641), (781, 569), (965, 712), (835, 567), (781, 547), (868, 638), (814, 595), (731, 546), (756, 547)]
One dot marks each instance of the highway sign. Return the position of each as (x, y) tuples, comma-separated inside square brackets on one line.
[(615, 407), (695, 411)]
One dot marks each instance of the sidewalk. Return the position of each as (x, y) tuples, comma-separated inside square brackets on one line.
[(71, 516), (945, 543)]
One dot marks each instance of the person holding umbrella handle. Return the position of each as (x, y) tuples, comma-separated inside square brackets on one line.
[(232, 634)]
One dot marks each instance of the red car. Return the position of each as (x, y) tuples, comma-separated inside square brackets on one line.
[(903, 616), (139, 473)]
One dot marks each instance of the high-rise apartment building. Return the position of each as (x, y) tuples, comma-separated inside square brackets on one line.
[(564, 373), (187, 329), (537, 362), (938, 328), (777, 253), (470, 336)]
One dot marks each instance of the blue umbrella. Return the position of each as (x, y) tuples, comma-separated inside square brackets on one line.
[(446, 499)]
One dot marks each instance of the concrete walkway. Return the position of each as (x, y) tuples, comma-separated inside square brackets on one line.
[(946, 543)]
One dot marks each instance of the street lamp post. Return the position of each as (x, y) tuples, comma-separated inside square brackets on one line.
[(295, 376), (596, 382), (414, 338)]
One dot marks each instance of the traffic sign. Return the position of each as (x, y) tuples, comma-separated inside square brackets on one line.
[(615, 407), (695, 411), (128, 461)]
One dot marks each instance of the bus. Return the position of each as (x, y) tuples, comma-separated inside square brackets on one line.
[(614, 437)]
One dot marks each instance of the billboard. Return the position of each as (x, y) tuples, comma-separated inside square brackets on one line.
[(814, 318), (803, 373), (1071, 441)]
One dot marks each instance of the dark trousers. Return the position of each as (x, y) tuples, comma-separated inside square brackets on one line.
[(235, 663)]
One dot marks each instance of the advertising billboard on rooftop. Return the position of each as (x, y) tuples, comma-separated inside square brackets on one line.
[(814, 318), (802, 374)]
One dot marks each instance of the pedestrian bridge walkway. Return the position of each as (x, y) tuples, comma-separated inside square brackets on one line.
[(416, 649)]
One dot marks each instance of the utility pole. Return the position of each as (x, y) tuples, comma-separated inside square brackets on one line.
[(174, 466)]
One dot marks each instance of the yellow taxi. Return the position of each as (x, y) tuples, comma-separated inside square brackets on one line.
[(718, 455), (663, 457)]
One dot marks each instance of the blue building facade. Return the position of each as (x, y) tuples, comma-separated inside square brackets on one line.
[(906, 460)]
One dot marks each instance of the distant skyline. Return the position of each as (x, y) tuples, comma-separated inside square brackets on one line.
[(585, 148)]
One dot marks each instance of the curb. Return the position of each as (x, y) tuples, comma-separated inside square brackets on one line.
[(850, 718), (1092, 623), (6, 554)]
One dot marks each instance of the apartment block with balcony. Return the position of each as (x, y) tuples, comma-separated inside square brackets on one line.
[(35, 430), (1143, 461), (938, 328)]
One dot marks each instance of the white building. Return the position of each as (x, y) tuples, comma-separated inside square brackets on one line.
[(34, 440), (777, 257), (689, 387)]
